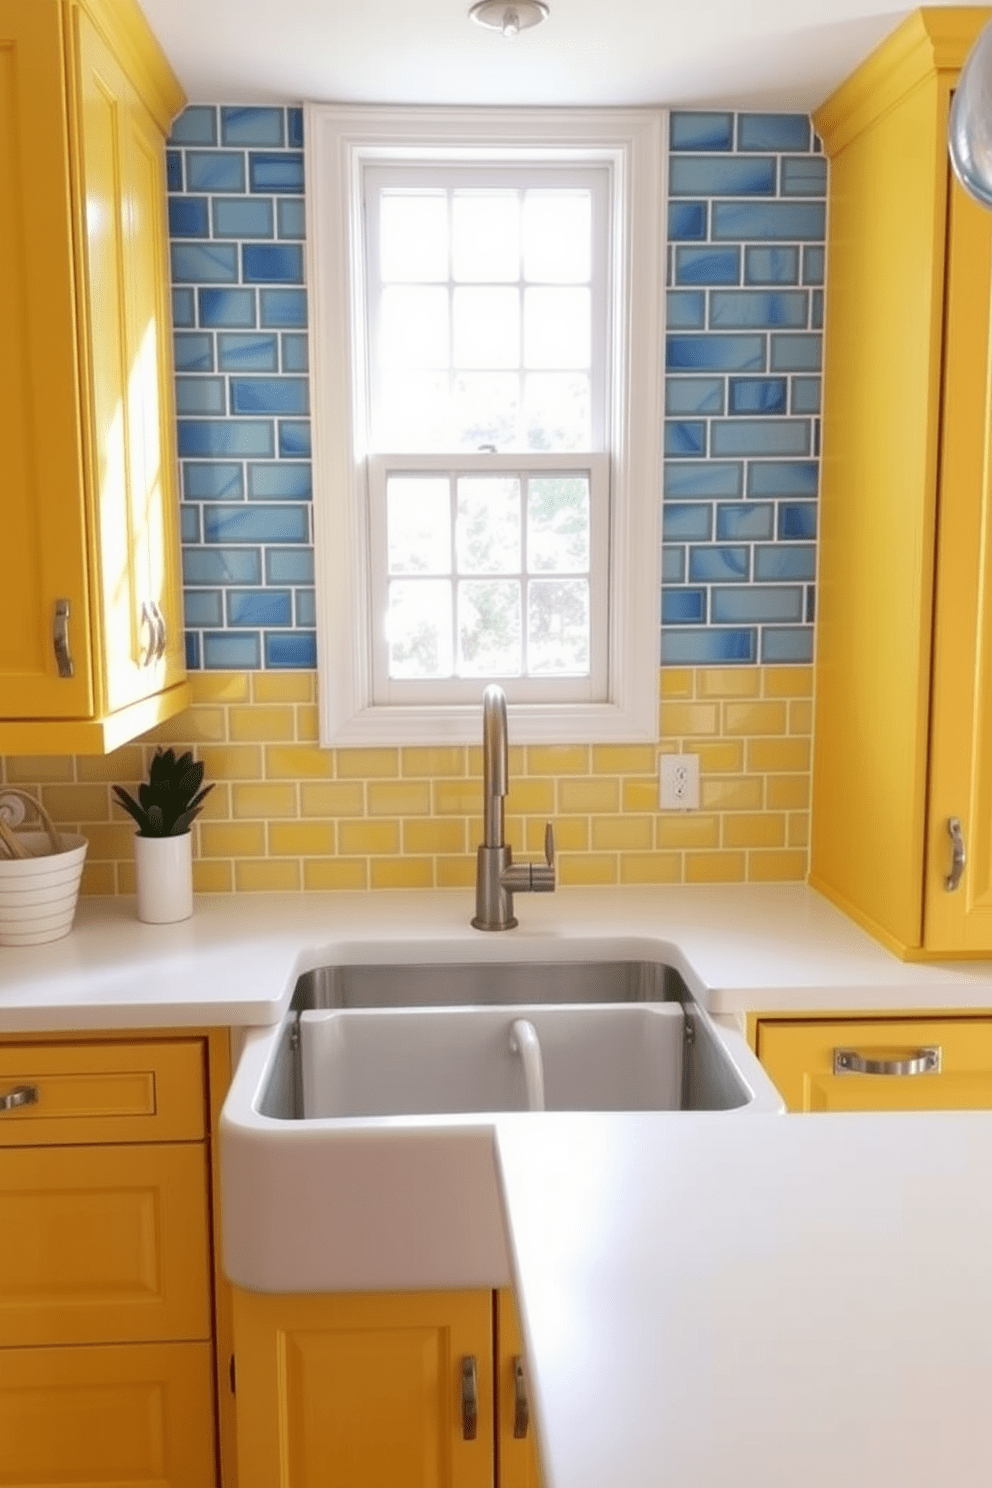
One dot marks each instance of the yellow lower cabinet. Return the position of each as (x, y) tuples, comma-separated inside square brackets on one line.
[(389, 1390), (879, 1064), (516, 1435), (125, 1416)]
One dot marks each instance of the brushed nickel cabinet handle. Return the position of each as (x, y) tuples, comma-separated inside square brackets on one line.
[(60, 638), (161, 633), (149, 634), (958, 858), (521, 1408), (470, 1398), (21, 1095), (919, 1062)]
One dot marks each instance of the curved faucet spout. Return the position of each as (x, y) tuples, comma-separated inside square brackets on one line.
[(495, 767)]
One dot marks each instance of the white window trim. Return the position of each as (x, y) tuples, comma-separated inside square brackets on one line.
[(338, 139)]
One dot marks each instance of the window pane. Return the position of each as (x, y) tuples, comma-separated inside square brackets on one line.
[(558, 627), (413, 411), (487, 525), (486, 410), (557, 236), (489, 628), (418, 628), (485, 236), (558, 525), (413, 330), (418, 524), (558, 411), (557, 328), (413, 245), (487, 328)]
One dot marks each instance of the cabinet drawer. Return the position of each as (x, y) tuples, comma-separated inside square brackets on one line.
[(103, 1092), (124, 1417), (103, 1244), (801, 1058)]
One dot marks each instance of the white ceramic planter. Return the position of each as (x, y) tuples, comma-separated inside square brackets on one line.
[(164, 868)]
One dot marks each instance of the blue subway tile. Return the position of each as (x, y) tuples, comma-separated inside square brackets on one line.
[(814, 260), (189, 217), (796, 353), (252, 126), (745, 522), (816, 310), (222, 566), (289, 565), (213, 480), (276, 173), (259, 607), (193, 352), (756, 604), (791, 221), (203, 395), (192, 651), (672, 565), (215, 170), (199, 262), (796, 521), (295, 353), (292, 218), (236, 652), (247, 352), (174, 170), (773, 132), (685, 437), (708, 480), (797, 478), (291, 649), (746, 309), (223, 438), (256, 524), (280, 480), (778, 265), (294, 127), (746, 437), (270, 395), (781, 562), (707, 265), (283, 307), (189, 523), (788, 645), (227, 307), (686, 310), (243, 217), (272, 263), (750, 395), (805, 395), (203, 607), (687, 221), (718, 564), (700, 131), (183, 307), (305, 608), (686, 521), (294, 439), (683, 607), (707, 647), (715, 353), (694, 395), (196, 125), (804, 175), (721, 175)]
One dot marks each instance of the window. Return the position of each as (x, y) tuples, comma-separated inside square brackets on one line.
[(485, 337)]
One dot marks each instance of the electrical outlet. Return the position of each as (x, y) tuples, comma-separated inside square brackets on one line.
[(678, 782)]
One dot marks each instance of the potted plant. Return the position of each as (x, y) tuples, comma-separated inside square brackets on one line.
[(168, 803)]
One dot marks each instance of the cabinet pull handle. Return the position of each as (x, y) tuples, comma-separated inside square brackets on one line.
[(920, 1062), (60, 638), (21, 1095), (521, 1408), (470, 1398), (149, 634), (161, 633), (953, 879)]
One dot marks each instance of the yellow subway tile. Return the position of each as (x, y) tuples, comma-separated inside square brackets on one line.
[(203, 725), (261, 799), (676, 682), (307, 724), (398, 798), (299, 762), (282, 687), (798, 835), (719, 756), (685, 720), (456, 797), (265, 874), (647, 868), (588, 868), (715, 867), (262, 725), (758, 829), (232, 840), (231, 762), (301, 839), (80, 803), (787, 681), (455, 873), (800, 717), (332, 798), (336, 873), (728, 682), (622, 833), (557, 759), (639, 795), (110, 839), (731, 793), (217, 806), (623, 759), (687, 829), (34, 769), (529, 796), (368, 838), (127, 877), (787, 792), (366, 764), (514, 834), (434, 836), (754, 718), (98, 878), (430, 763), (778, 756), (777, 867), (213, 876), (401, 873), (589, 795), (221, 687), (126, 763), (571, 834)]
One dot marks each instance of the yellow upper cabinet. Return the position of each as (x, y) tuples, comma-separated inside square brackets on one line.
[(91, 629), (903, 692)]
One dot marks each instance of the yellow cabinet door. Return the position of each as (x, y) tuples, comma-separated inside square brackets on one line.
[(880, 1064), (516, 1433), (131, 1416), (362, 1391)]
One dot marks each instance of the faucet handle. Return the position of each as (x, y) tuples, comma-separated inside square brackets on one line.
[(542, 875), (549, 845)]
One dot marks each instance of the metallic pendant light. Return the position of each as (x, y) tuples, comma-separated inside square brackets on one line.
[(970, 131), (509, 16)]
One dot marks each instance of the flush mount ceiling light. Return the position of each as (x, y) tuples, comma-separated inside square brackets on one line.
[(509, 16)]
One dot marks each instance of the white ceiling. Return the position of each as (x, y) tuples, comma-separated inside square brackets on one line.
[(763, 54)]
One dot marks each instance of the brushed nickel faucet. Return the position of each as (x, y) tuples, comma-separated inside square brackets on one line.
[(497, 877)]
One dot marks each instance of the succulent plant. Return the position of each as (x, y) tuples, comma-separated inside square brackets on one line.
[(170, 799)]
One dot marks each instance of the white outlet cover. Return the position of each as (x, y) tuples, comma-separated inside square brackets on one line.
[(678, 780)]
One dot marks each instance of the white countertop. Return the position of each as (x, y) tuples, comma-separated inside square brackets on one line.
[(739, 947)]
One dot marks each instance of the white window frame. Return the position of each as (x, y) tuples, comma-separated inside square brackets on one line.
[(340, 139)]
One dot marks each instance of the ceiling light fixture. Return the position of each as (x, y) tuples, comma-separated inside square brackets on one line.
[(509, 16)]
